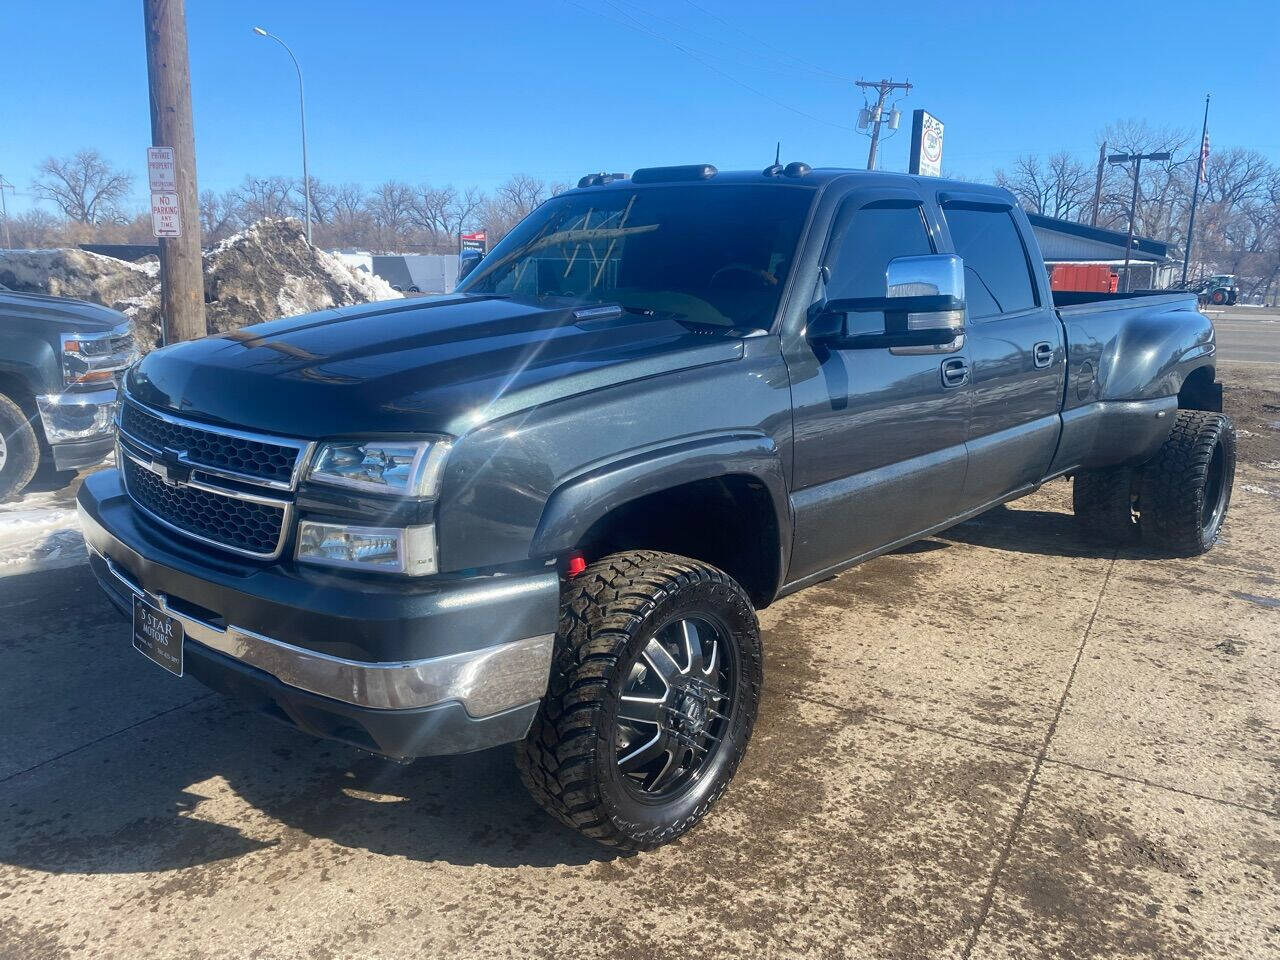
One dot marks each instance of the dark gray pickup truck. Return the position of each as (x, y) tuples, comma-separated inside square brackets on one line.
[(544, 509), (59, 360)]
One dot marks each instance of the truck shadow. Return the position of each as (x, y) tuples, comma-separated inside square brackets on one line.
[(197, 781), (1042, 532), (275, 788)]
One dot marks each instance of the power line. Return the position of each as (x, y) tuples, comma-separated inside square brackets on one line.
[(637, 24), (825, 76), (763, 43)]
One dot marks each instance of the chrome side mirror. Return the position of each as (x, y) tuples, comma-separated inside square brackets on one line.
[(923, 306)]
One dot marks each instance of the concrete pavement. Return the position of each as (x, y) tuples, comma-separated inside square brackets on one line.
[(999, 743)]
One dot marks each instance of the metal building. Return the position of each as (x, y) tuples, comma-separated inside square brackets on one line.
[(1062, 241)]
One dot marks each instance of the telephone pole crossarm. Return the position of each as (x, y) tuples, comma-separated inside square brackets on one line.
[(874, 116)]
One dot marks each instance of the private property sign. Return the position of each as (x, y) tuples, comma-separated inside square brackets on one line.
[(161, 172), (165, 219), (926, 144)]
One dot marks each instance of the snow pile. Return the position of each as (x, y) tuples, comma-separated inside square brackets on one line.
[(40, 531), (262, 273), (77, 273), (269, 271)]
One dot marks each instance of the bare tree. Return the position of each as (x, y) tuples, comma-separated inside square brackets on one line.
[(85, 186), (322, 200), (1162, 192), (219, 215), (350, 220), (512, 201), (35, 228), (1060, 188), (262, 197), (391, 210)]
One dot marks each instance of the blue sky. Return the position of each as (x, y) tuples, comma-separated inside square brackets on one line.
[(469, 92)]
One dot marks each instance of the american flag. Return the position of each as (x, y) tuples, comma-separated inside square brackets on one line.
[(1204, 158)]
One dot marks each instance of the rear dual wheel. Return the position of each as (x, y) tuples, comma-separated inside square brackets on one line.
[(653, 696), (1177, 501)]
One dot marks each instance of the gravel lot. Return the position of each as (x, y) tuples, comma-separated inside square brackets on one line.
[(997, 743)]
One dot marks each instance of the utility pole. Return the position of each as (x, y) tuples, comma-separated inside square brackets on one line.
[(4, 211), (874, 116), (1097, 187), (1136, 159), (1195, 190), (169, 80)]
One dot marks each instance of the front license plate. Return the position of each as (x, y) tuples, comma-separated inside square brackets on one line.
[(157, 636)]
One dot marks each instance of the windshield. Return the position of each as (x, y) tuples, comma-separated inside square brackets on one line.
[(714, 255)]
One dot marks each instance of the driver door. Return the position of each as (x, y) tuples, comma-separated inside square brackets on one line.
[(879, 433)]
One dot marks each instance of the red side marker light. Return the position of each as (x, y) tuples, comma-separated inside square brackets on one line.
[(577, 563)]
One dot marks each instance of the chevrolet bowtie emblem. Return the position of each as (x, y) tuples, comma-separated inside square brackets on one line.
[(170, 467)]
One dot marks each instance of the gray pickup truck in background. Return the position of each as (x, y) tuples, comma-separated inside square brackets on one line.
[(60, 359), (544, 509)]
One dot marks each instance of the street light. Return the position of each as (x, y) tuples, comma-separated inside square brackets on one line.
[(302, 108), (1136, 159)]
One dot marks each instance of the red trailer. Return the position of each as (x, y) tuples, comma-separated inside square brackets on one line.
[(1091, 277)]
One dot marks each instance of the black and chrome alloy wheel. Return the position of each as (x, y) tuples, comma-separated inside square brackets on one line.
[(675, 707), (652, 698)]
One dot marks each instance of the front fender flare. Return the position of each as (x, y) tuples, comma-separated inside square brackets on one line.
[(584, 498)]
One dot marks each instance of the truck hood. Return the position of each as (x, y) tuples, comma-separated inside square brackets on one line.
[(431, 365), (67, 314)]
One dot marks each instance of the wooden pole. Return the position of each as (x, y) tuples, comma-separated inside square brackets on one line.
[(1097, 187), (169, 80)]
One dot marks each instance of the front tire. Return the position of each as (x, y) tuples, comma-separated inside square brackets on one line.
[(19, 449), (1186, 488), (653, 695)]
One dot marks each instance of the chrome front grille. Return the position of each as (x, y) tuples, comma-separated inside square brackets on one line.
[(269, 460), (230, 522), (218, 486)]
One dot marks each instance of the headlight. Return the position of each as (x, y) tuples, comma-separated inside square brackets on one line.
[(403, 467), (408, 550), (97, 357)]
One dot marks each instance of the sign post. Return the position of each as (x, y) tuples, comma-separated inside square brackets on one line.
[(926, 145)]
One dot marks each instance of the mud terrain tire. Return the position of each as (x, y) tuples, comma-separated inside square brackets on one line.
[(573, 760)]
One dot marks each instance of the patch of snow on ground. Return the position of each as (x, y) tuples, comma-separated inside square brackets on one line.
[(40, 531), (1254, 488)]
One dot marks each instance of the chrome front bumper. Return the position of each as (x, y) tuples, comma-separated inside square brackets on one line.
[(486, 682), (75, 417)]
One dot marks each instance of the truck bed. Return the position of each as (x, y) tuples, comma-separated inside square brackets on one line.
[(1076, 302)]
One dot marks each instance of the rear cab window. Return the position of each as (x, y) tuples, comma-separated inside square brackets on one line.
[(997, 272)]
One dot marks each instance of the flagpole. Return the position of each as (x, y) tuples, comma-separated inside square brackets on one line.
[(1195, 191)]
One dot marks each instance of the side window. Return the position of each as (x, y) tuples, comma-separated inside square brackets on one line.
[(867, 239), (996, 277)]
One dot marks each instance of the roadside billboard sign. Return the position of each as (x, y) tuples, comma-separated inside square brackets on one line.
[(473, 241), (926, 144)]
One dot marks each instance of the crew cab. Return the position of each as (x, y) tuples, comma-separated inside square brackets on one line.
[(544, 509), (59, 362)]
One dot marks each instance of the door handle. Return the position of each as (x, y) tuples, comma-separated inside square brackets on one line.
[(954, 372), (1043, 353)]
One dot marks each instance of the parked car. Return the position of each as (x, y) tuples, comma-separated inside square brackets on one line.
[(59, 362), (544, 509)]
